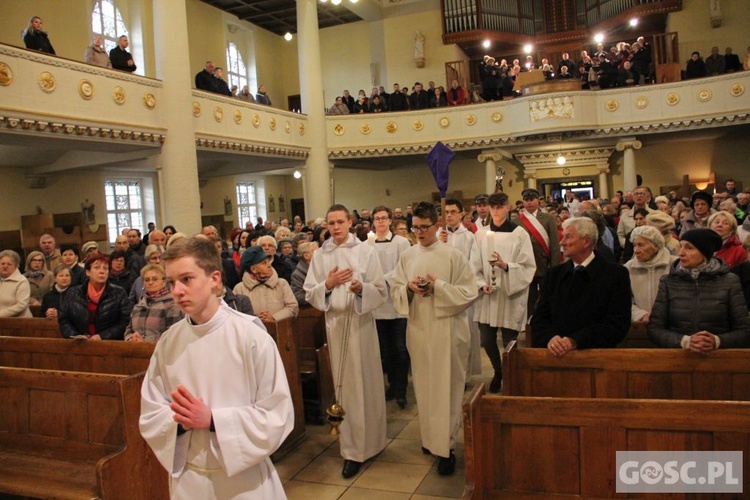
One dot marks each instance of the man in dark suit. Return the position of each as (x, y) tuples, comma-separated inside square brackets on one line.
[(205, 79), (120, 57), (584, 303), (543, 233)]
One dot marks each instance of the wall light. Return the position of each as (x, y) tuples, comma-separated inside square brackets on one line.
[(599, 37), (336, 2), (561, 159), (633, 22), (486, 44), (528, 48), (297, 174), (288, 37), (701, 186)]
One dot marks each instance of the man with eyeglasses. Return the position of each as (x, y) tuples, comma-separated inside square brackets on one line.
[(345, 281), (390, 324), (641, 199), (459, 237), (434, 285)]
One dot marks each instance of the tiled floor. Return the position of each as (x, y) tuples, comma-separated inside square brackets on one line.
[(401, 471)]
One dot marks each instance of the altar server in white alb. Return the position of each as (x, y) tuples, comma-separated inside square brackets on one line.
[(215, 401), (434, 285), (460, 238), (390, 324), (346, 282), (504, 252)]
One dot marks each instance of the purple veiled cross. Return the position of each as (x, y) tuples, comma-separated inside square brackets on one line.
[(438, 160)]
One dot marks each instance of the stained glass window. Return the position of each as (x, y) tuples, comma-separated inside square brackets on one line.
[(247, 205), (124, 206), (236, 73), (106, 21)]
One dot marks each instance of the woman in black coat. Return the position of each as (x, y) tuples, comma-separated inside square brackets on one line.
[(700, 305), (97, 309), (35, 38)]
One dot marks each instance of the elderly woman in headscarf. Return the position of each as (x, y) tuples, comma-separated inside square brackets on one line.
[(699, 305), (651, 262), (14, 287), (665, 224), (40, 280), (155, 311), (731, 251), (271, 297)]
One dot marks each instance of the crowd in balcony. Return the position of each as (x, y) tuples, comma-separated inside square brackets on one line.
[(715, 64)]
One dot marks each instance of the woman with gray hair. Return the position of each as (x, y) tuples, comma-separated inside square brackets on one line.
[(305, 253), (651, 262), (731, 252), (40, 280), (14, 287)]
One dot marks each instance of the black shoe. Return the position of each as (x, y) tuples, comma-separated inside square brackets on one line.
[(389, 394), (351, 468), (496, 381), (426, 451), (447, 466), (401, 402)]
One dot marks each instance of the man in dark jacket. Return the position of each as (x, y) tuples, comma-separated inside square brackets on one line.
[(120, 57), (397, 101), (584, 303), (205, 79), (223, 87), (419, 98)]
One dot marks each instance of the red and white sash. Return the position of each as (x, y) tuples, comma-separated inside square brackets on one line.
[(537, 231)]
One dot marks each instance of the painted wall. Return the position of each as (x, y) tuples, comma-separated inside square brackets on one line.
[(693, 25)]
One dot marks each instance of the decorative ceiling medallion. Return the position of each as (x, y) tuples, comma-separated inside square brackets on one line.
[(470, 120), (288, 127), (149, 100), (365, 128), (256, 121), (197, 109), (237, 116), (47, 82), (6, 75), (301, 129), (417, 125), (641, 102), (445, 122), (118, 94), (497, 116), (272, 123), (611, 105), (391, 127), (704, 95), (566, 171), (218, 114), (673, 99), (86, 89), (338, 129), (737, 90)]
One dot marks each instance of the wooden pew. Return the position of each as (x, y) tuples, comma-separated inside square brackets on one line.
[(73, 435), (637, 337), (531, 447), (628, 373), (314, 360), (123, 358), (30, 327), (281, 331)]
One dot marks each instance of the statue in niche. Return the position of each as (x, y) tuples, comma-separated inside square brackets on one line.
[(282, 208), (499, 176), (419, 59), (271, 204), (227, 206), (89, 217)]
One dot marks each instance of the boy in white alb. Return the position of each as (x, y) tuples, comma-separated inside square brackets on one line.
[(215, 401)]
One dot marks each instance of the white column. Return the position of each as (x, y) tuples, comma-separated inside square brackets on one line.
[(530, 180), (317, 174), (603, 180), (628, 146), (178, 162)]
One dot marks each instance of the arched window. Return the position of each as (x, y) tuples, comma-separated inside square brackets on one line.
[(106, 21), (236, 72)]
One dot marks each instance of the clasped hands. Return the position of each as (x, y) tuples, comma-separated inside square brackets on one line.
[(338, 277), (559, 346), (189, 411), (702, 342), (424, 286)]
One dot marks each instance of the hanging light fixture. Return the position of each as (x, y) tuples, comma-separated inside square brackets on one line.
[(297, 174), (288, 37)]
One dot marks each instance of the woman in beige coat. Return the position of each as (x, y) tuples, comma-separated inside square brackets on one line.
[(40, 280), (272, 297), (14, 287), (651, 260)]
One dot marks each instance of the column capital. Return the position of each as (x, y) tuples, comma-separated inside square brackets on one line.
[(483, 157), (529, 174), (603, 170), (629, 144)]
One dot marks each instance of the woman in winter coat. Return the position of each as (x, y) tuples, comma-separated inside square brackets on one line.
[(652, 261), (731, 251), (40, 280), (155, 311), (35, 38), (14, 287), (699, 305), (271, 296), (52, 300)]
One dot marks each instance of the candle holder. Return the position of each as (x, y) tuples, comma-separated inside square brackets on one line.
[(493, 279)]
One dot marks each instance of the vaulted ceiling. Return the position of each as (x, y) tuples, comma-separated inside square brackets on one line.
[(280, 16)]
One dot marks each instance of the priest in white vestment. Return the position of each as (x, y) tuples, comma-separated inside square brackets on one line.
[(345, 281), (434, 285), (460, 238), (215, 402), (504, 252)]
